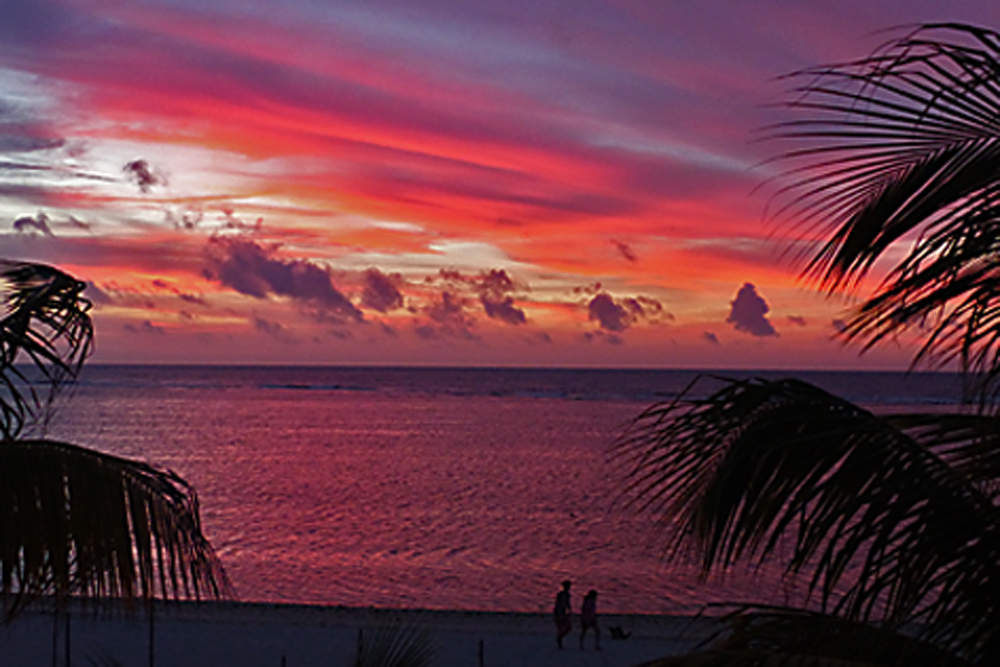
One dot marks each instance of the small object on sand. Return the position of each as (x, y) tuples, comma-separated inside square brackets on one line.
[(618, 633)]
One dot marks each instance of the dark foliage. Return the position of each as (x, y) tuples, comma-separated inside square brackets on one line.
[(75, 521), (892, 523)]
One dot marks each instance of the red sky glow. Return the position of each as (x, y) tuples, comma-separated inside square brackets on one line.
[(573, 182)]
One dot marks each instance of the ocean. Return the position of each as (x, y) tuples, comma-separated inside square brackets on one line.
[(473, 489)]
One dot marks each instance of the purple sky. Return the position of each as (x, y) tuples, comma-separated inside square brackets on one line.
[(426, 182)]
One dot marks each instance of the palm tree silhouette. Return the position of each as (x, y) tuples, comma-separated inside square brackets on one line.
[(74, 521), (893, 519)]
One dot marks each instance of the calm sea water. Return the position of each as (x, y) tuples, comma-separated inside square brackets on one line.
[(431, 488)]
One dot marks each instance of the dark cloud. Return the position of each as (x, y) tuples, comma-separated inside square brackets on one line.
[(233, 222), (638, 309), (609, 315), (589, 290), (625, 250), (710, 337), (161, 284), (79, 224), (450, 276), (142, 175), (496, 282), (191, 298), (796, 320), (494, 289), (146, 327), (652, 308), (749, 313), (268, 327), (187, 220), (619, 314), (504, 310), (451, 314), (449, 309), (381, 291), (839, 325), (29, 224), (250, 269)]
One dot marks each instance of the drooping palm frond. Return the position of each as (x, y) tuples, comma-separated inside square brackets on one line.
[(787, 637), (46, 324), (969, 443), (395, 645), (754, 658), (886, 529), (904, 145), (74, 521)]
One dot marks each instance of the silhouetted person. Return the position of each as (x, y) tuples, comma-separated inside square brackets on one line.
[(588, 619), (561, 613)]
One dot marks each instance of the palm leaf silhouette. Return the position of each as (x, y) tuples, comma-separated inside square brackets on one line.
[(394, 645), (905, 145), (887, 530), (80, 522), (74, 521), (788, 637), (46, 323), (895, 519)]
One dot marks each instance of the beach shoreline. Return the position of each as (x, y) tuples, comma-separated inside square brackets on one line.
[(267, 634)]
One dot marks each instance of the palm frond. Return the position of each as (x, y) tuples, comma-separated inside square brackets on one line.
[(395, 645), (969, 443), (46, 324), (886, 528), (74, 521), (782, 636), (904, 145), (753, 658)]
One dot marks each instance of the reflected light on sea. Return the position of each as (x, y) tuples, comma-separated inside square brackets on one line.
[(383, 496)]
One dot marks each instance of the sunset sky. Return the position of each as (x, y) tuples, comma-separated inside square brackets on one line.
[(565, 182)]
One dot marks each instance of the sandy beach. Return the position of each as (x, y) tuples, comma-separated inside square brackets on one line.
[(207, 634)]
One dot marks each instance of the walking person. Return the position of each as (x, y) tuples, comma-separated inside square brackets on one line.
[(588, 619), (561, 613)]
